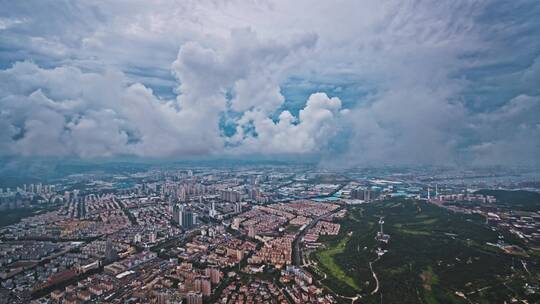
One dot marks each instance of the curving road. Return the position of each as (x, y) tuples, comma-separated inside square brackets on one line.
[(374, 276)]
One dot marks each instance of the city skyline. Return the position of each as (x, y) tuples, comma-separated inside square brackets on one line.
[(181, 234)]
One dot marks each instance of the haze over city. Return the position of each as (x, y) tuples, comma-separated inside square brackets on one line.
[(259, 151)]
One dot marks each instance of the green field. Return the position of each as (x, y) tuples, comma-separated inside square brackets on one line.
[(326, 258), (292, 228), (434, 256)]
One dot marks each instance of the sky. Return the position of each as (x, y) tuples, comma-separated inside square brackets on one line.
[(344, 83)]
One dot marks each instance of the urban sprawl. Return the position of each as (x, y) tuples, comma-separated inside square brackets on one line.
[(207, 235)]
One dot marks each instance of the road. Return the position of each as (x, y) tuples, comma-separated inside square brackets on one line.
[(374, 276), (297, 249)]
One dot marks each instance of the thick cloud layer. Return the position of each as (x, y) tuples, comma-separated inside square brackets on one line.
[(394, 82), (308, 133), (65, 111)]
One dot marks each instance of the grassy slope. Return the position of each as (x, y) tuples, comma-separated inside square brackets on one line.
[(327, 262)]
